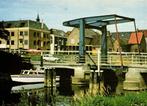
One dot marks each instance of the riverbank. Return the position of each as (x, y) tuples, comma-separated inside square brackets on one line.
[(128, 99)]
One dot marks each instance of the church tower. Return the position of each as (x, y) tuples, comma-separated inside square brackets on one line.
[(38, 19)]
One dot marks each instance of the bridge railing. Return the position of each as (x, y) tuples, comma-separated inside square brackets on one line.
[(128, 58), (113, 58)]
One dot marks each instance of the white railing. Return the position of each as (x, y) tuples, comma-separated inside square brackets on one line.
[(113, 58)]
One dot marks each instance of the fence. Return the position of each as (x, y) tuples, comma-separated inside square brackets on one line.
[(113, 58)]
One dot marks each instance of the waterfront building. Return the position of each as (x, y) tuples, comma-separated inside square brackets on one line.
[(134, 40), (58, 41), (27, 34), (145, 35), (113, 44)]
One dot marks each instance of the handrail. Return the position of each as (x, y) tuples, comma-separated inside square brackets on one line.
[(129, 58)]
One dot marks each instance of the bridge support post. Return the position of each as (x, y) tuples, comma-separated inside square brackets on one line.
[(82, 42), (104, 44), (134, 80)]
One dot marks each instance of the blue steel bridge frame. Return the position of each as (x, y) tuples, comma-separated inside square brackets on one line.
[(99, 23)]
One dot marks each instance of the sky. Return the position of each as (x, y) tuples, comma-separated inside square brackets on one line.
[(54, 12)]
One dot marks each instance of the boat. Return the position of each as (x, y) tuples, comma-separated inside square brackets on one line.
[(32, 76), (29, 76)]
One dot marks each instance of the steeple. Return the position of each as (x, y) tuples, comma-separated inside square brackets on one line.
[(38, 19)]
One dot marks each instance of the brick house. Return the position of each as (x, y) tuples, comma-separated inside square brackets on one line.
[(92, 40)]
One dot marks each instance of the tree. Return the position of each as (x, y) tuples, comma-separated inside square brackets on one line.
[(4, 34)]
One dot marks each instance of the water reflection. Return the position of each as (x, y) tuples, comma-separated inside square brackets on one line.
[(38, 95), (7, 98)]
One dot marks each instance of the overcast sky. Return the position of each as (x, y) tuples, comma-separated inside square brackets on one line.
[(55, 12)]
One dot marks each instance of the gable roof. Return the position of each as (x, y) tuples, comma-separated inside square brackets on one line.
[(89, 33), (57, 32), (25, 23), (133, 38)]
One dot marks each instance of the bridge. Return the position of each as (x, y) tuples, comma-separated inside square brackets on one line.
[(133, 79), (135, 62)]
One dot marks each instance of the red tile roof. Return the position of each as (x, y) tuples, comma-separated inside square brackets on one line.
[(133, 38)]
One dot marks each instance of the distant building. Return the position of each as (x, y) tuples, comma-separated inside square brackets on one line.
[(134, 40), (27, 34), (92, 40), (145, 35), (113, 44), (58, 40)]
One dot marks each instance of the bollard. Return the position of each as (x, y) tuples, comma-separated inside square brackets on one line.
[(46, 78), (50, 77)]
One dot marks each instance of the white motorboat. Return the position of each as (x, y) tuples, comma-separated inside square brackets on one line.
[(29, 76), (32, 76)]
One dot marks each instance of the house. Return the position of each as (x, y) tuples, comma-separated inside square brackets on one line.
[(145, 35), (114, 45), (58, 40), (92, 40), (137, 42), (27, 34)]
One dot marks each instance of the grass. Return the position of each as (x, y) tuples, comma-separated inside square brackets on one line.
[(129, 99), (35, 58)]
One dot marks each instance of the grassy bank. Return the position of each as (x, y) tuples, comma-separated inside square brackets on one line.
[(129, 99)]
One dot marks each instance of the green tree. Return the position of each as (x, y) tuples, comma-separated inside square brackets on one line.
[(4, 34)]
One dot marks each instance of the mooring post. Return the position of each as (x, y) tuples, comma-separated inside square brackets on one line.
[(49, 77), (49, 86), (41, 59), (46, 78)]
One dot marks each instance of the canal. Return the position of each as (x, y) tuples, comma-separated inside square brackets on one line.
[(38, 95)]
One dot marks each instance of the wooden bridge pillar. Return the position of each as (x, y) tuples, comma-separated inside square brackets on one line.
[(49, 78), (134, 80)]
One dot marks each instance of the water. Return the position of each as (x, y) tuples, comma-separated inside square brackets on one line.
[(38, 95)]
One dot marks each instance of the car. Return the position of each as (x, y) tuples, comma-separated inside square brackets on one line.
[(49, 57)]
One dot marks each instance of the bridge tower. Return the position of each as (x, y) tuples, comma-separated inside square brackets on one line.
[(99, 23)]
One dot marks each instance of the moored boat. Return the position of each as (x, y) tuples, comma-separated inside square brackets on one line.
[(29, 76), (32, 76)]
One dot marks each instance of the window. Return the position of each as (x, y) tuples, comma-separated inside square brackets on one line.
[(8, 42), (48, 36), (44, 43), (38, 35), (21, 33), (48, 42), (39, 43), (20, 40), (34, 34), (12, 42), (44, 35), (35, 42), (12, 33), (25, 33), (26, 42)]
